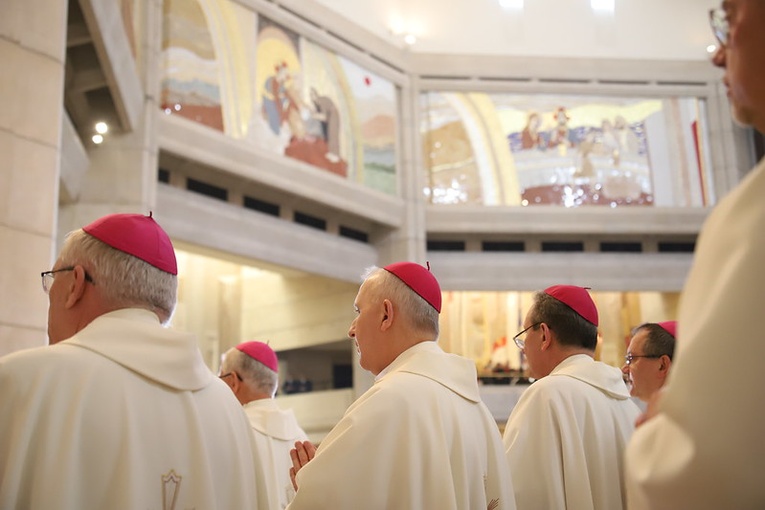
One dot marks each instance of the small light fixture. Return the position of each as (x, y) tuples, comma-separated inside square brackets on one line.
[(404, 32), (102, 128), (711, 48), (97, 139), (511, 5), (603, 6), (177, 107)]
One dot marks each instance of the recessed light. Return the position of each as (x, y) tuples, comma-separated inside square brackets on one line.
[(101, 127), (97, 139), (511, 5), (603, 6)]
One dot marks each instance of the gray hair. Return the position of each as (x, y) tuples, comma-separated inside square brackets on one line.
[(421, 314), (123, 279), (658, 342), (253, 373), (570, 328)]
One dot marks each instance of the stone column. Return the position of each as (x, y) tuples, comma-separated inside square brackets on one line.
[(32, 52), (409, 242), (122, 174)]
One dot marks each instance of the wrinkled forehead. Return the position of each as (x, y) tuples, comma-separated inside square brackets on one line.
[(367, 288)]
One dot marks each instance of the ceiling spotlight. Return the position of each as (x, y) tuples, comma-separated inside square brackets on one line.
[(603, 6), (97, 139), (511, 5), (410, 39), (711, 48), (101, 127)]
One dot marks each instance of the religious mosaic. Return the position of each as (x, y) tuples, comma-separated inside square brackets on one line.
[(234, 71), (572, 151)]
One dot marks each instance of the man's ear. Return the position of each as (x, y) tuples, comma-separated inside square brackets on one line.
[(388, 314), (664, 364), (546, 336), (76, 287), (235, 382)]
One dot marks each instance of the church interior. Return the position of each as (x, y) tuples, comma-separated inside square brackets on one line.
[(287, 145)]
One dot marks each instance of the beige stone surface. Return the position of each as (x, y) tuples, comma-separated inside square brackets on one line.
[(29, 196), (37, 26), (23, 256), (35, 84)]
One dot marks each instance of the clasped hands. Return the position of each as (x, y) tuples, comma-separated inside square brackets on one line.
[(301, 455)]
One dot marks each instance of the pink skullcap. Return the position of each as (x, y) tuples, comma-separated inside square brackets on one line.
[(576, 298), (420, 280), (670, 327), (137, 235), (260, 352)]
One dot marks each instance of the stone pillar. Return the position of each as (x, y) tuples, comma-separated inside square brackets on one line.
[(408, 242), (122, 175), (32, 52)]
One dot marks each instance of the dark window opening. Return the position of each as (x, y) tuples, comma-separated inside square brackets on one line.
[(207, 189), (676, 247), (342, 376), (562, 246), (163, 176), (609, 247), (356, 235), (310, 221), (503, 246), (261, 206), (446, 245)]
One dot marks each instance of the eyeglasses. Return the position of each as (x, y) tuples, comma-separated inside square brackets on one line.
[(629, 357), (47, 277), (718, 20), (223, 376), (520, 338)]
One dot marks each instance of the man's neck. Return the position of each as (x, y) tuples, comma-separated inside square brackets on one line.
[(564, 352)]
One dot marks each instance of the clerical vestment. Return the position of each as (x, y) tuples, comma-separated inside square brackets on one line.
[(276, 431), (565, 438), (419, 439), (123, 415), (705, 449)]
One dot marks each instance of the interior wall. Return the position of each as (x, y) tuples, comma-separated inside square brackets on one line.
[(293, 312)]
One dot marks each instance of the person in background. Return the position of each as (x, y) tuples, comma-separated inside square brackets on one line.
[(565, 438), (420, 438), (700, 445), (120, 411), (649, 358), (251, 371)]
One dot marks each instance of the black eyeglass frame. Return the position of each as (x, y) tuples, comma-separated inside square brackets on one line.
[(719, 23), (521, 342), (629, 357), (50, 273)]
